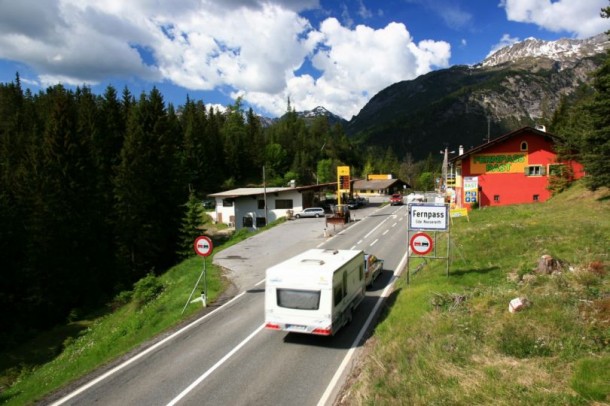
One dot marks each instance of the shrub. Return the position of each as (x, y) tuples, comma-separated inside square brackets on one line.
[(147, 289)]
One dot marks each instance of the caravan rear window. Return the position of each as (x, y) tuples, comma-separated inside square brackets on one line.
[(298, 299)]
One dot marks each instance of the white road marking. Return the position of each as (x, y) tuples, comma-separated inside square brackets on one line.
[(140, 355), (215, 367), (386, 292)]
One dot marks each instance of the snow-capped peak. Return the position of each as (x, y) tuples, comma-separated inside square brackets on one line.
[(563, 50)]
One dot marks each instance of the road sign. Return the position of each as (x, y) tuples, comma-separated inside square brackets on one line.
[(421, 243), (203, 246), (428, 216)]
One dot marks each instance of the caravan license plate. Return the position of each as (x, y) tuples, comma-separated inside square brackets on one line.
[(295, 327)]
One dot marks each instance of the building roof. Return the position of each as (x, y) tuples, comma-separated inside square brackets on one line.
[(376, 184), (248, 191), (255, 191), (502, 138)]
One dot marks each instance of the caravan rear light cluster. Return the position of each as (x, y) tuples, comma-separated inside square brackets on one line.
[(322, 331), (272, 326)]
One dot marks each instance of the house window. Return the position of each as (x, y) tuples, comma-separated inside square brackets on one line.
[(261, 204), (283, 204), (534, 170), (523, 145), (536, 198), (497, 198), (227, 202)]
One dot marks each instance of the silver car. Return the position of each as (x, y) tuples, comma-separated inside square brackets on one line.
[(311, 212)]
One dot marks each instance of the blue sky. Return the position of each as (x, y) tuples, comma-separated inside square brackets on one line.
[(336, 54)]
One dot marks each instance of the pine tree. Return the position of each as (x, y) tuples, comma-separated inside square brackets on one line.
[(191, 226), (596, 144), (147, 191), (234, 135)]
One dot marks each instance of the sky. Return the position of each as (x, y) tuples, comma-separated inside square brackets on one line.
[(335, 54)]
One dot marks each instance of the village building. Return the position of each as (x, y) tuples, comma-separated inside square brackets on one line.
[(379, 185), (254, 207), (511, 169), (258, 206)]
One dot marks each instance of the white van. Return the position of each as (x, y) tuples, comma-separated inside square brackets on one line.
[(314, 292)]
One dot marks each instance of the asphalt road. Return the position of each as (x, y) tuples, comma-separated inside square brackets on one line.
[(227, 358)]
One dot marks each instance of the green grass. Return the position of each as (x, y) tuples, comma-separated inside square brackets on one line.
[(451, 340), (66, 353)]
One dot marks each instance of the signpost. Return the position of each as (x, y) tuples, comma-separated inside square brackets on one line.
[(471, 189), (203, 247), (343, 182), (427, 217)]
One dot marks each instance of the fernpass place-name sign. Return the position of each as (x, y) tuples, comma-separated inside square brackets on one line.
[(428, 217)]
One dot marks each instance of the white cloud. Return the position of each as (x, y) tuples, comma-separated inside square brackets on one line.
[(578, 17), (358, 63), (505, 41), (248, 48)]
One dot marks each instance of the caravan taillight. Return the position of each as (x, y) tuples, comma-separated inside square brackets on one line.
[(272, 326), (321, 331)]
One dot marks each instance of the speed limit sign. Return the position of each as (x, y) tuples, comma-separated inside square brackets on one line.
[(203, 246)]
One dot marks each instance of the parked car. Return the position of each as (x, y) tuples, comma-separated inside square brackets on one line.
[(353, 204), (396, 199), (311, 212)]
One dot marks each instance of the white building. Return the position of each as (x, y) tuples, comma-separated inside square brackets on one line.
[(255, 207)]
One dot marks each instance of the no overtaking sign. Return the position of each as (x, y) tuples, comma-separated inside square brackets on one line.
[(203, 246)]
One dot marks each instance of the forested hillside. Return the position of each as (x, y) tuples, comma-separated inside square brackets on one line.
[(93, 188)]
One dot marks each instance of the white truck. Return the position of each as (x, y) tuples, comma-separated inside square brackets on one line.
[(314, 292)]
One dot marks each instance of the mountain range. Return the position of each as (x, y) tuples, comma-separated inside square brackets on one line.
[(518, 85)]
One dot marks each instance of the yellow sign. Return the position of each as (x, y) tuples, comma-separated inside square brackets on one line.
[(463, 212), (379, 177), (343, 181), (498, 163), (342, 170)]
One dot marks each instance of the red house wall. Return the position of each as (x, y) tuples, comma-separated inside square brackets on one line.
[(515, 188)]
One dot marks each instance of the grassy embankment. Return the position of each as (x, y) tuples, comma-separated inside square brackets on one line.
[(452, 341), (55, 358)]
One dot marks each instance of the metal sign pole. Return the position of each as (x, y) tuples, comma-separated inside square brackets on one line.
[(205, 286), (195, 287)]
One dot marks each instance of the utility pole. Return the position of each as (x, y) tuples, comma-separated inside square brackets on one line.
[(446, 153), (265, 196)]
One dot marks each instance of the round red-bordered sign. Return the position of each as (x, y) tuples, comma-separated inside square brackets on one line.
[(421, 243), (203, 246)]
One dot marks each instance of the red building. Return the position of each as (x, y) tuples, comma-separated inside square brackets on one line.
[(513, 168)]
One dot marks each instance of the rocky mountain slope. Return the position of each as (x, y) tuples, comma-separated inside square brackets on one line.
[(464, 105)]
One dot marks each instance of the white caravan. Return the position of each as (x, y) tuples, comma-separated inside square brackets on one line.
[(314, 292)]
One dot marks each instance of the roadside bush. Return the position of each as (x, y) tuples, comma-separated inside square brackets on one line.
[(147, 289), (121, 299)]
